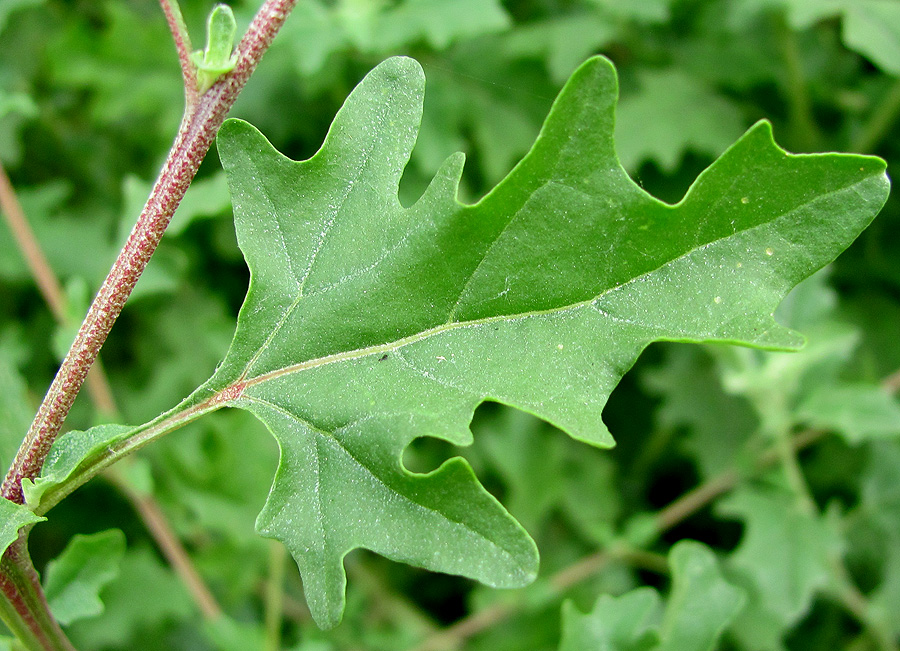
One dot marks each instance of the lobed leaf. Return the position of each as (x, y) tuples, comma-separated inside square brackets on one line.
[(701, 605), (702, 602), (73, 580), (616, 623), (12, 518), (785, 554), (368, 324)]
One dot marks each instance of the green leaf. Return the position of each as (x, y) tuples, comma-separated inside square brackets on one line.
[(15, 416), (859, 412), (644, 11), (561, 42), (702, 602), (144, 595), (9, 7), (707, 122), (338, 315), (12, 518), (61, 236), (229, 635), (615, 624), (701, 605), (368, 324), (786, 554), (530, 460), (439, 22), (718, 424), (870, 27), (73, 580), (477, 96), (70, 452), (217, 59), (126, 66)]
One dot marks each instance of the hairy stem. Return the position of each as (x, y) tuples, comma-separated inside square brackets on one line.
[(182, 40), (101, 395), (25, 610), (193, 141), (26, 607)]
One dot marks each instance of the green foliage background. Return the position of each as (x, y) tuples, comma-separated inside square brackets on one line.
[(90, 97)]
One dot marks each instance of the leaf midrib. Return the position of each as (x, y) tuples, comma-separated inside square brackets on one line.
[(359, 353)]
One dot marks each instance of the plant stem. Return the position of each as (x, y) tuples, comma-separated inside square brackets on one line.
[(143, 435), (182, 40), (26, 607), (25, 610), (168, 543), (880, 122), (47, 283), (799, 105), (274, 600), (192, 142), (101, 395)]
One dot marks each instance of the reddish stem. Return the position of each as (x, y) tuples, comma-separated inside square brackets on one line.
[(193, 141), (20, 584), (183, 45)]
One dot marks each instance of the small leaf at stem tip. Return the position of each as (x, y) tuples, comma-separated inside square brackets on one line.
[(217, 59)]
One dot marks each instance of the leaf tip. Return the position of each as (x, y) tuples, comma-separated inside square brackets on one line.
[(403, 67)]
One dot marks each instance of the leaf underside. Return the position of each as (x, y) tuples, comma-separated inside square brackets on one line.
[(368, 324)]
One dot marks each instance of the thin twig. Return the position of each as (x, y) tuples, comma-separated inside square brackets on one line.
[(880, 121), (453, 636), (38, 265), (191, 145), (672, 515), (182, 39), (155, 520), (145, 505), (696, 499), (274, 595), (799, 104), (48, 284)]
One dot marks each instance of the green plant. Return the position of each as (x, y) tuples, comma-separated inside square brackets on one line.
[(374, 327)]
